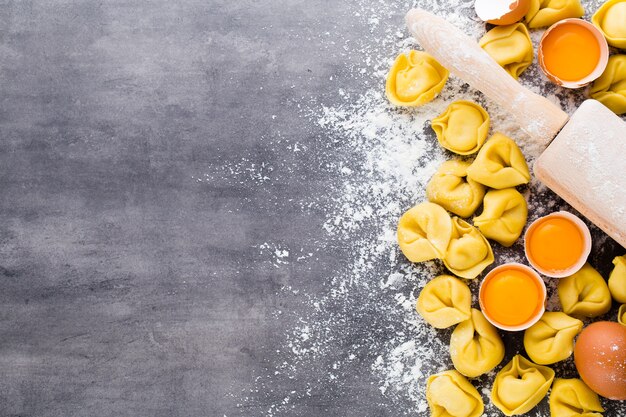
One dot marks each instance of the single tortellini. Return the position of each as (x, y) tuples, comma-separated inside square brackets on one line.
[(573, 398), (610, 88), (585, 293), (462, 128), (617, 279), (510, 46), (444, 302), (551, 339), (610, 19), (415, 79), (621, 314), (504, 216), (452, 190), (424, 232), (520, 386), (449, 394), (499, 164), (475, 346), (546, 12), (468, 253)]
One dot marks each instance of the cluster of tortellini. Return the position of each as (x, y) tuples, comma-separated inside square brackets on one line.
[(461, 187), (475, 345), (427, 232)]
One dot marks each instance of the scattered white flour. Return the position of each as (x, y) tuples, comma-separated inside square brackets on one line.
[(389, 155)]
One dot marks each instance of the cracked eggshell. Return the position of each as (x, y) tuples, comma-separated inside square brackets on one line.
[(501, 12)]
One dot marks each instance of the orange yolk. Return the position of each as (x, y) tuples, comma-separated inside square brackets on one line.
[(556, 244), (570, 52), (511, 297)]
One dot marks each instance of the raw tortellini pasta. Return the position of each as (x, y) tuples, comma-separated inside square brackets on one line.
[(510, 46), (610, 88), (451, 189), (551, 339), (610, 19), (468, 253), (445, 301), (462, 128), (424, 232), (546, 12), (585, 293), (476, 346), (621, 314), (499, 164), (449, 394), (573, 398), (617, 279), (503, 217), (415, 79), (520, 386)]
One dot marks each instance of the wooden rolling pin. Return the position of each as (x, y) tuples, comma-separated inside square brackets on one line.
[(586, 162)]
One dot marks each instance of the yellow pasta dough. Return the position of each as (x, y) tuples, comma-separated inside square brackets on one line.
[(499, 164), (449, 394), (468, 252), (610, 19), (621, 314), (415, 79), (520, 386), (510, 46), (551, 339), (504, 216), (573, 398), (424, 232), (610, 88), (476, 346), (444, 302), (452, 190), (585, 293), (617, 279), (462, 128), (547, 12)]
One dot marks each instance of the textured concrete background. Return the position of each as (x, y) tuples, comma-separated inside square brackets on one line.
[(127, 286)]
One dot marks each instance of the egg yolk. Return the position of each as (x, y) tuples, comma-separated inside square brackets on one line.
[(570, 52), (556, 244), (511, 297)]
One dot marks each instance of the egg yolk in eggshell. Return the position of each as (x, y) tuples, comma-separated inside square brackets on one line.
[(556, 244), (570, 52), (511, 297)]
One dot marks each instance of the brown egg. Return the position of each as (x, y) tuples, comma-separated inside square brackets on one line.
[(499, 12), (600, 357)]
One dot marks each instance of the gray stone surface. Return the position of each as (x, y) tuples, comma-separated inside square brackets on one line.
[(128, 286)]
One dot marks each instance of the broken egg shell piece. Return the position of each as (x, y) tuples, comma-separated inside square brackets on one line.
[(501, 12)]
